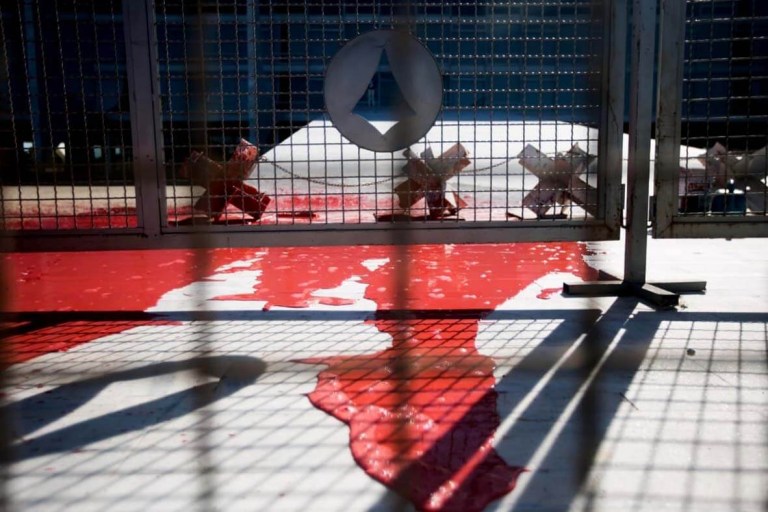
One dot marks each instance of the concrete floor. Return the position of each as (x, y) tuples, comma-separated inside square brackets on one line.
[(173, 380), (193, 380)]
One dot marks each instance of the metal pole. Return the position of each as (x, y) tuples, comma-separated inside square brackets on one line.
[(252, 55), (614, 19), (640, 120), (146, 124), (33, 82), (641, 110), (668, 117)]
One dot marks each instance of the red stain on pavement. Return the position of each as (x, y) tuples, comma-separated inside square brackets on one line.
[(98, 218), (319, 202), (115, 281), (422, 413), (246, 203), (547, 293), (104, 281), (61, 337)]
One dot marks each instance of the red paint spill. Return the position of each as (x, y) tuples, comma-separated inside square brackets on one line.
[(116, 281), (62, 337), (98, 218), (288, 207), (105, 281), (547, 293), (319, 202), (422, 413)]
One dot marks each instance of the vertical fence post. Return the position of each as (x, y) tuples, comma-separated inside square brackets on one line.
[(640, 120), (253, 97), (33, 81), (611, 128), (642, 80), (669, 115), (144, 97)]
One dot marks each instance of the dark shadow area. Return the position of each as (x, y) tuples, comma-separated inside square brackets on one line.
[(594, 376), (36, 319), (561, 397), (228, 374), (569, 416), (571, 455), (25, 336)]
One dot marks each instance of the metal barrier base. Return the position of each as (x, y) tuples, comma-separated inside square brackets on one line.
[(657, 295)]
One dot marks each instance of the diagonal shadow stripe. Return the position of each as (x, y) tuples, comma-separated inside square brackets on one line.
[(538, 361), (32, 414), (564, 426)]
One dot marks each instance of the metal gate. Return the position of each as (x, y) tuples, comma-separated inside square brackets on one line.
[(712, 124), (154, 122)]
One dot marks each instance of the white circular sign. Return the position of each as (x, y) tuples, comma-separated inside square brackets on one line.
[(415, 72)]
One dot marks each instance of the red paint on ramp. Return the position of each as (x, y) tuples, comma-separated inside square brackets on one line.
[(113, 281), (422, 413)]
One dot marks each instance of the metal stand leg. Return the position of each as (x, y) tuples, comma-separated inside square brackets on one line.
[(661, 295)]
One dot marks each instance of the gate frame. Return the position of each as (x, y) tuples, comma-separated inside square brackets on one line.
[(154, 231), (661, 295), (666, 221)]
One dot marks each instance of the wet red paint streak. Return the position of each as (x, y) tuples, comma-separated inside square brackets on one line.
[(62, 337), (99, 218), (287, 208), (319, 202), (116, 281), (104, 281), (547, 293), (422, 413)]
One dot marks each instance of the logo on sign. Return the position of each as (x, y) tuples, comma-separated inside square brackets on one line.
[(415, 74)]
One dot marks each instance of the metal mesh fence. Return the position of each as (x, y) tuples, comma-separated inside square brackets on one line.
[(725, 109), (243, 135), (246, 138), (65, 135), (246, 141), (514, 74)]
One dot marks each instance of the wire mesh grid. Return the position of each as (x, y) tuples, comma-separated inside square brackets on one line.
[(674, 429), (679, 425), (65, 140), (725, 107), (269, 449), (515, 74)]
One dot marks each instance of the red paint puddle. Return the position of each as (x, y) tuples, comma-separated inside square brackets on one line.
[(116, 281), (422, 413), (64, 336), (104, 281), (299, 209), (299, 214), (547, 293), (291, 275), (319, 203), (89, 220)]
